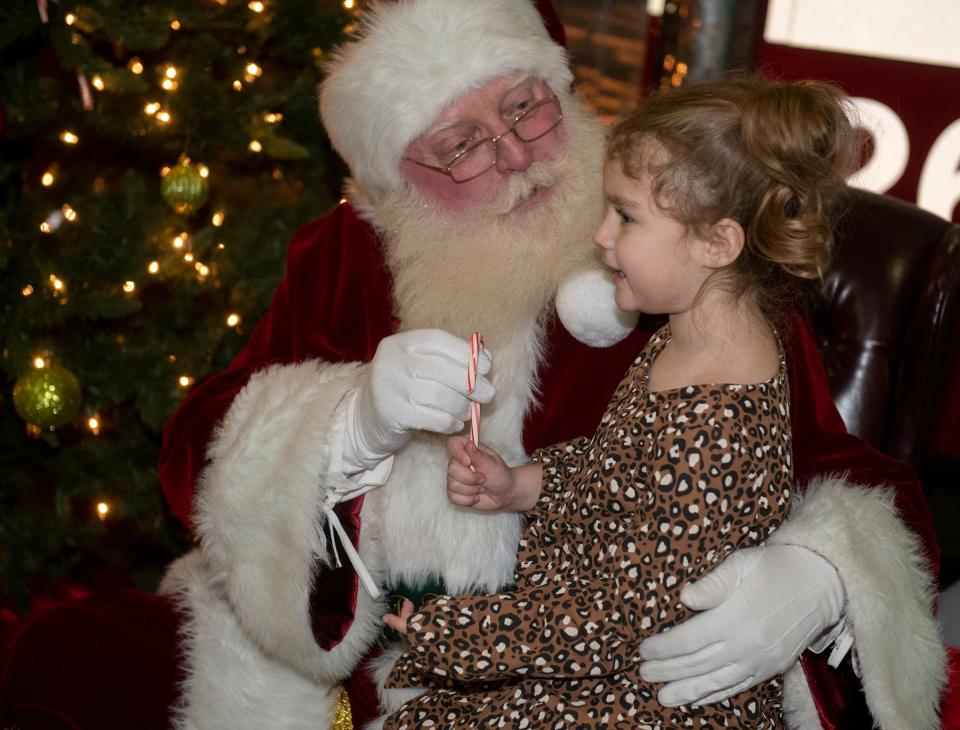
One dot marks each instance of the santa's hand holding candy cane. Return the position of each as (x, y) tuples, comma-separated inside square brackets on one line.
[(415, 382)]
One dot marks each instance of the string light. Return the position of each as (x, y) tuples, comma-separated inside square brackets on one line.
[(39, 363), (103, 509), (202, 270), (237, 85), (153, 267), (272, 117), (57, 283), (204, 171), (27, 290), (69, 213), (233, 320), (185, 381), (97, 82), (53, 221), (69, 137), (135, 65), (70, 19), (220, 247), (129, 287), (151, 108), (170, 74), (93, 423), (253, 71), (256, 6), (163, 117), (47, 179), (217, 219), (188, 257), (180, 240), (175, 24), (255, 146), (348, 4)]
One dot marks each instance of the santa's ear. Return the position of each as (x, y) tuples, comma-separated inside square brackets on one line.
[(723, 243)]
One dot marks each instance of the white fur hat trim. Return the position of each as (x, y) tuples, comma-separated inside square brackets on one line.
[(415, 57), (587, 309)]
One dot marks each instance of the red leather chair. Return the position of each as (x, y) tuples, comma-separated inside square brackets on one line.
[(888, 320)]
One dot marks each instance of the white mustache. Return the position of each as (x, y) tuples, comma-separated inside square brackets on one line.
[(521, 185)]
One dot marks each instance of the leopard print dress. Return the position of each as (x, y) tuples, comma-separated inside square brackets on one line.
[(670, 484)]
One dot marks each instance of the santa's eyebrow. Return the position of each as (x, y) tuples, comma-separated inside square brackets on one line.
[(447, 126)]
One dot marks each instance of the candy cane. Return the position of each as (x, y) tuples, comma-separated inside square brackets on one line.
[(476, 344)]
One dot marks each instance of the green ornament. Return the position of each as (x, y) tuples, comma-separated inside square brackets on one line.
[(185, 186), (47, 397)]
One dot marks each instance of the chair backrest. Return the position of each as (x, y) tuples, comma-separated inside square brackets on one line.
[(887, 318)]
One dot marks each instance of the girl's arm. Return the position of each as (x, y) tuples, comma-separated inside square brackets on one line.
[(560, 630)]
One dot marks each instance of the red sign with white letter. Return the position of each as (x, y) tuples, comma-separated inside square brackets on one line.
[(901, 63)]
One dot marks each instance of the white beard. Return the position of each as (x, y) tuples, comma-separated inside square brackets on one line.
[(487, 271)]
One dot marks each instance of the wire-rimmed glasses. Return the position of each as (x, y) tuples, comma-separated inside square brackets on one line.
[(529, 126)]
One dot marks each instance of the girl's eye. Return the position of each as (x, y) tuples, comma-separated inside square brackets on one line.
[(624, 216)]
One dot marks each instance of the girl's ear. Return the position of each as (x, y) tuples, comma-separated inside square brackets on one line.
[(723, 243)]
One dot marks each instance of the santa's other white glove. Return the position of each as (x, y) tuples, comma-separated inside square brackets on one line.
[(416, 380), (761, 608)]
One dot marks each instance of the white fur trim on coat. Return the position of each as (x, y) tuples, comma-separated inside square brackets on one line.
[(890, 595), (412, 59), (230, 683), (272, 461), (588, 310)]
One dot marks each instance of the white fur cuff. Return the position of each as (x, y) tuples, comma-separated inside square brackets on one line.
[(889, 591)]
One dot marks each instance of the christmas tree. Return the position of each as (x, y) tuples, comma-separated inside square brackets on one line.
[(154, 161)]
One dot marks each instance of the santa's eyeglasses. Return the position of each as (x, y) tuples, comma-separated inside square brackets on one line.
[(528, 126)]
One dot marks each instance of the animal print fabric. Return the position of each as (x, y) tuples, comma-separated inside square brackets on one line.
[(670, 484)]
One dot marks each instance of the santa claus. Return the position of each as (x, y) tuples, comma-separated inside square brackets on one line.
[(313, 470)]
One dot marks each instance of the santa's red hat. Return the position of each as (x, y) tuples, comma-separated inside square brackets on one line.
[(411, 59)]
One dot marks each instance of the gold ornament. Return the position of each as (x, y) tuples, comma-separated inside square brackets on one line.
[(343, 717), (185, 187), (47, 397)]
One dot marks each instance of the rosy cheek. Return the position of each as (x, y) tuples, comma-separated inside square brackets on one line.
[(441, 190), (549, 145)]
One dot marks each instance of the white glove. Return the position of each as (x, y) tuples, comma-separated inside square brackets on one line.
[(763, 606), (416, 380)]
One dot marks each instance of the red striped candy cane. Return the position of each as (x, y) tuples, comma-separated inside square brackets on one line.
[(476, 344)]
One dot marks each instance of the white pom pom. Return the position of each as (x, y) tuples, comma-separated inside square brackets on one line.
[(586, 307)]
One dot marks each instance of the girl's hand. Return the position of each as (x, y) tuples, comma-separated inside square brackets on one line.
[(398, 621), (477, 478)]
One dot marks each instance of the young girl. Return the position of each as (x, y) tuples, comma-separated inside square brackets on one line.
[(717, 197)]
